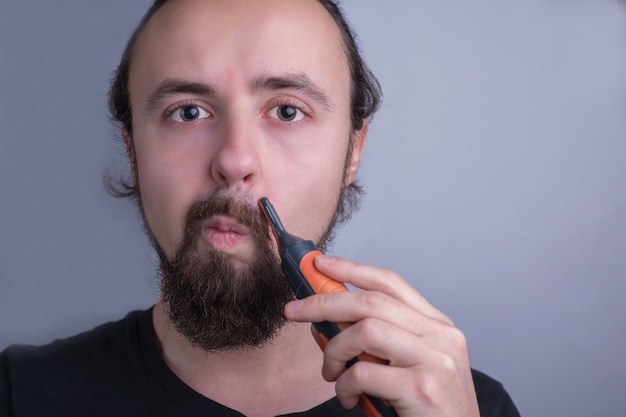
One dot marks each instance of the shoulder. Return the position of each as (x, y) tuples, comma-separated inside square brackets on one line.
[(493, 399), (69, 368), (110, 339)]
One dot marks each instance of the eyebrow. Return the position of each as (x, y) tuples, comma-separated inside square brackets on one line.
[(297, 81), (172, 86)]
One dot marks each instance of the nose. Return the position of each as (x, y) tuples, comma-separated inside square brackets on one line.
[(236, 164)]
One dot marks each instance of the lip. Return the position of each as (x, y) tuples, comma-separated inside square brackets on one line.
[(223, 232)]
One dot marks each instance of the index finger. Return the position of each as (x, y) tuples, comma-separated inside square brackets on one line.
[(371, 278)]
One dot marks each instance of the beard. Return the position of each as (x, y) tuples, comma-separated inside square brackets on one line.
[(214, 304), (217, 306)]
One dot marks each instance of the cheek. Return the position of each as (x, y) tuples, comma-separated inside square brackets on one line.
[(163, 193), (313, 190)]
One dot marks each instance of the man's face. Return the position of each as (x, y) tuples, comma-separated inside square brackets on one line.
[(240, 99)]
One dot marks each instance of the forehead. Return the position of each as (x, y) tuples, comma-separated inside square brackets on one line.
[(230, 40)]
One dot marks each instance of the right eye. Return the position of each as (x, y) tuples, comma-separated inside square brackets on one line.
[(189, 113)]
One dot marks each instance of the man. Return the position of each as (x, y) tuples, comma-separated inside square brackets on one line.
[(222, 102)]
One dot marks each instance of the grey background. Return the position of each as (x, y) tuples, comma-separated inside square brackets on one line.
[(495, 177)]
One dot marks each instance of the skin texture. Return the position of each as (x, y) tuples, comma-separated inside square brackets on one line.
[(239, 62), (242, 148)]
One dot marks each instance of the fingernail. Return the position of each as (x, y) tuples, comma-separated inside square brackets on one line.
[(294, 306)]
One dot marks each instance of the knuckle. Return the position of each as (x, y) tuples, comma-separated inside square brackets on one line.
[(445, 363), (448, 364), (458, 340), (369, 328), (374, 300), (423, 387), (429, 390)]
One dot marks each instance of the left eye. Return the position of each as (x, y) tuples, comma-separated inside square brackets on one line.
[(189, 114), (287, 113)]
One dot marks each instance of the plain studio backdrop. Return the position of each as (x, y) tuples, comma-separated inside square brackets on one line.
[(495, 175)]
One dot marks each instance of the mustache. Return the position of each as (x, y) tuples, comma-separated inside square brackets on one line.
[(245, 213)]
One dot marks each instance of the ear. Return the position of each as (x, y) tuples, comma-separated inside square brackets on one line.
[(358, 145), (130, 151)]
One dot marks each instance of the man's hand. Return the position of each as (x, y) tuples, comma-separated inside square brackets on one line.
[(428, 372)]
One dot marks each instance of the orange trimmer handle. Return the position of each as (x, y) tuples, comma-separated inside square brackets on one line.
[(324, 284)]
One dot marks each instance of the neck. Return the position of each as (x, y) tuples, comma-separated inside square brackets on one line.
[(283, 376)]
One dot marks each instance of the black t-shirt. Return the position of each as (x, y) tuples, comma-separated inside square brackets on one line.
[(116, 370)]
